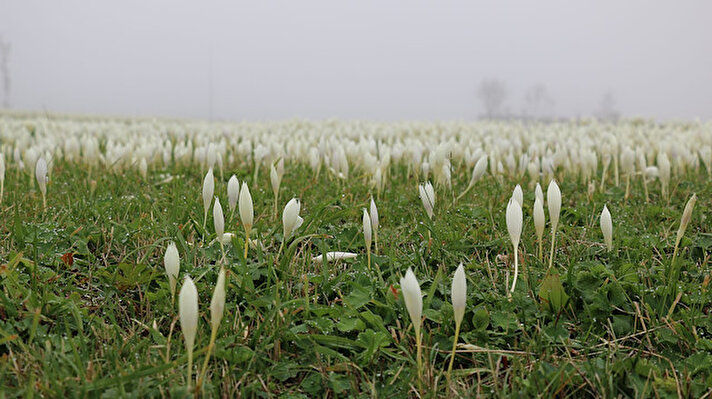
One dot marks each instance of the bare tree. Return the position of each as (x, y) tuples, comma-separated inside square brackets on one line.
[(607, 108), (5, 71), (536, 101), (492, 93)]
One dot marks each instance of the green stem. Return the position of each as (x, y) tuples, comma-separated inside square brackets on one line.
[(672, 280), (419, 360), (170, 334), (541, 249), (276, 199), (551, 253), (454, 346), (247, 240), (516, 269), (190, 366), (211, 345), (205, 222), (222, 249), (281, 246), (469, 186)]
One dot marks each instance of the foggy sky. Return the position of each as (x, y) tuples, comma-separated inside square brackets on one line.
[(385, 60)]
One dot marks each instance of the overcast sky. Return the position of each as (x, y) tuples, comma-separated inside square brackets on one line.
[(386, 60)]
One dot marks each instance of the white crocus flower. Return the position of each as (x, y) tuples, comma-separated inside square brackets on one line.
[(553, 201), (208, 191), (171, 261), (246, 213), (233, 191), (188, 314), (41, 175), (413, 299), (607, 228), (514, 226), (427, 196), (290, 217)]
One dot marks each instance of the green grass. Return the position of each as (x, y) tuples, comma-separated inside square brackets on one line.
[(105, 325)]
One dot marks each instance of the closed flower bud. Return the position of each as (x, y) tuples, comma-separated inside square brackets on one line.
[(188, 312), (171, 261), (514, 221), (218, 218), (413, 298), (553, 199), (479, 169), (367, 233), (459, 293), (607, 227), (518, 195), (233, 191), (374, 216), (539, 218), (290, 217), (41, 175), (208, 189), (217, 304), (275, 179), (686, 216), (245, 205), (427, 196), (539, 193), (331, 256)]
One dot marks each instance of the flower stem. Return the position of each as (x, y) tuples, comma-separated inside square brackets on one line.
[(276, 199), (281, 246), (541, 249), (454, 346), (205, 222), (462, 194), (222, 249), (247, 240), (211, 345), (516, 269), (190, 366), (672, 275), (419, 360), (375, 241), (551, 254)]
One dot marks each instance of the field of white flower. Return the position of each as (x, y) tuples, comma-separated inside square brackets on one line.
[(354, 259)]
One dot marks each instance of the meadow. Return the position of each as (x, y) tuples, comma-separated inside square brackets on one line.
[(110, 234)]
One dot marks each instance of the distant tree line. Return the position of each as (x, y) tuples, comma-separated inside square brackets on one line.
[(537, 103)]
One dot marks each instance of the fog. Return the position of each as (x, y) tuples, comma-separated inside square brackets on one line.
[(384, 60)]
